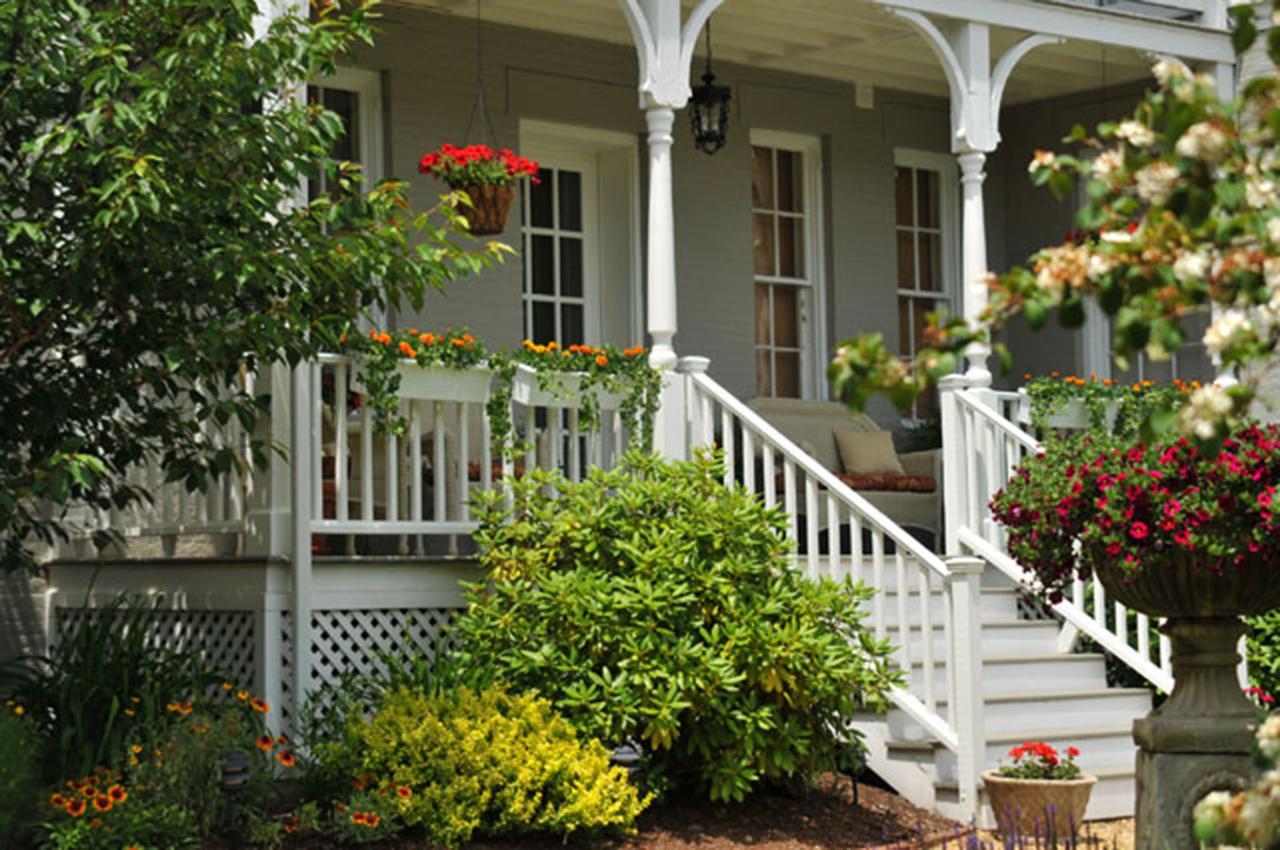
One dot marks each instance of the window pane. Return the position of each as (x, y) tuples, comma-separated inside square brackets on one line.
[(542, 265), (571, 266), (927, 198), (762, 314), (570, 190), (930, 247), (764, 381), (787, 378), (786, 316), (905, 345), (544, 321), (540, 199), (906, 260), (922, 308), (791, 247), (344, 103), (763, 243), (571, 325), (790, 181), (902, 197), (762, 178)]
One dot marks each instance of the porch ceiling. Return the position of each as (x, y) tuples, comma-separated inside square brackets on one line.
[(854, 41)]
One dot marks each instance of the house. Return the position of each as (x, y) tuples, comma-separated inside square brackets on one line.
[(874, 168)]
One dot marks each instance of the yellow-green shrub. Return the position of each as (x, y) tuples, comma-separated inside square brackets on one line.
[(489, 763)]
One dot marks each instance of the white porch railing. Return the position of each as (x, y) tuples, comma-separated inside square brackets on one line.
[(981, 450), (819, 507), (1208, 13)]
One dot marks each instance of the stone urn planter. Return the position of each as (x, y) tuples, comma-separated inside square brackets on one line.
[(490, 205), (1047, 809), (1199, 740)]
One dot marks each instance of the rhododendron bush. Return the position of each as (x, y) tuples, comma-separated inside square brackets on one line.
[(1134, 505)]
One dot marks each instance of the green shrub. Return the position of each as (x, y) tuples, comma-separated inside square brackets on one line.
[(102, 685), (464, 763), (1264, 652), (651, 604), (20, 748)]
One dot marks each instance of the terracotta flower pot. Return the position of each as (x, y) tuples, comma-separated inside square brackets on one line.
[(1038, 808), (490, 205)]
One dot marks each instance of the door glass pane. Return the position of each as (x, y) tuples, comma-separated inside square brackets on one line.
[(906, 262), (923, 308), (544, 321), (790, 182), (764, 381), (930, 262), (571, 325), (905, 345), (927, 199), (787, 378), (542, 265), (763, 243), (786, 316), (570, 189), (902, 197), (791, 247), (762, 178), (344, 104), (570, 266), (540, 214), (762, 314)]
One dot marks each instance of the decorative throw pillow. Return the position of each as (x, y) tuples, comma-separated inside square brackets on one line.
[(867, 452), (895, 483)]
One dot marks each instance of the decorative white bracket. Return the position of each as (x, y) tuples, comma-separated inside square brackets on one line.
[(664, 47), (977, 90)]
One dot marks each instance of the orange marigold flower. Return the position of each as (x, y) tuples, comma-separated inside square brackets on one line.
[(242, 695), (427, 339), (136, 748), (413, 331), (407, 350), (602, 360), (404, 792), (102, 803), (75, 807), (265, 743), (285, 757), (117, 793), (260, 705)]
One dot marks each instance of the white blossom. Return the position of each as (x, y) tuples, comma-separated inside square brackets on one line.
[(1120, 237), (1191, 265), (1202, 412), (1107, 163), (1136, 133), (1269, 737), (1164, 71), (1100, 265), (1156, 182), (1273, 229), (1041, 159), (1205, 140), (1053, 284), (1224, 328), (1271, 272), (1261, 193)]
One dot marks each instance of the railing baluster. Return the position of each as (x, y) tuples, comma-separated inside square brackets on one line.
[(855, 546), (575, 451), (486, 450), (926, 629), (811, 524), (438, 464), (366, 465), (415, 463), (789, 497), (1099, 603), (340, 438), (877, 578), (834, 560), (770, 483), (393, 472), (748, 461), (1143, 627), (1166, 650), (317, 443), (464, 462), (708, 424), (1122, 623), (531, 439), (904, 619), (726, 425)]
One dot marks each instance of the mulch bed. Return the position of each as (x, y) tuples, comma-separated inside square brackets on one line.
[(825, 818)]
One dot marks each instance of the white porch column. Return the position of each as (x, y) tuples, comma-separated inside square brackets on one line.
[(974, 260), (661, 253)]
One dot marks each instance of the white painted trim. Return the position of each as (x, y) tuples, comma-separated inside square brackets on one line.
[(552, 142), (367, 86), (1066, 20), (949, 200), (813, 358)]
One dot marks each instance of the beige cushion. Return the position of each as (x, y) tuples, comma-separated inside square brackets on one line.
[(809, 424), (867, 452)]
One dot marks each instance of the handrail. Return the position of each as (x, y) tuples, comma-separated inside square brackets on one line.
[(824, 476)]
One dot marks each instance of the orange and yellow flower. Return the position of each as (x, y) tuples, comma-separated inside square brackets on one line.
[(285, 757), (404, 792), (117, 794), (76, 807), (260, 705), (265, 743)]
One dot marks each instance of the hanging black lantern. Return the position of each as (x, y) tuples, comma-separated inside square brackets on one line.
[(709, 109)]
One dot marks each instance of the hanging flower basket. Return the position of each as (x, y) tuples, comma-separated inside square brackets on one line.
[(487, 176), (489, 208)]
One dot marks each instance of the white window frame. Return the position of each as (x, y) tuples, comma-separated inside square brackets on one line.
[(564, 144), (948, 222), (813, 308), (367, 87)]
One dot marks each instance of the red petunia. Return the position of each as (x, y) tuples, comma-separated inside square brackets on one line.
[(1139, 530)]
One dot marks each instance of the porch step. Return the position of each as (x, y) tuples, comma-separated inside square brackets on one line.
[(1001, 637), (1011, 673), (996, 606)]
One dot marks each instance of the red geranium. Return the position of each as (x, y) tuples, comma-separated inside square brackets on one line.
[(477, 165), (1038, 760)]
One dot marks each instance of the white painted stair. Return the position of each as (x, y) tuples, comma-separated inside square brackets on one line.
[(1031, 691)]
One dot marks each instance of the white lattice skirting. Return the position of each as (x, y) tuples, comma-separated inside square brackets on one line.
[(238, 615)]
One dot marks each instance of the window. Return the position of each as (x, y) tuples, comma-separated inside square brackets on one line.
[(559, 259), (924, 211), (355, 96), (785, 227)]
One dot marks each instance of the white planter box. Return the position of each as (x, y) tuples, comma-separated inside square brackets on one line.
[(441, 383), (1074, 416), (527, 390)]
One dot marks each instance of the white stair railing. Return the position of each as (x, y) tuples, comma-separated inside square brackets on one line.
[(981, 450), (819, 506)]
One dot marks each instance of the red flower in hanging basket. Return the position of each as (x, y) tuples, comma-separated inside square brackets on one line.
[(477, 165)]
